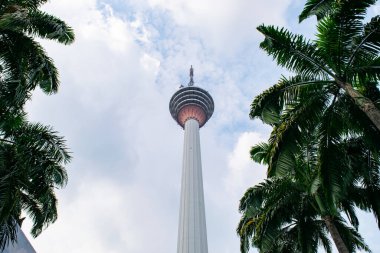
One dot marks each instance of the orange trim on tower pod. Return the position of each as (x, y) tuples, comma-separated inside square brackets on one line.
[(191, 112)]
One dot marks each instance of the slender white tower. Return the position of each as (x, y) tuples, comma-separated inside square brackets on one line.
[(191, 107)]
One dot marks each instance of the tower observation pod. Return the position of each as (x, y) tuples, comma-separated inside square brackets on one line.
[(191, 107)]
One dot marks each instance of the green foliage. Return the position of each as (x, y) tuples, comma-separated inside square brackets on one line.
[(323, 151), (23, 61), (319, 8), (286, 213), (32, 159), (293, 52), (32, 156), (37, 23), (344, 54), (324, 8)]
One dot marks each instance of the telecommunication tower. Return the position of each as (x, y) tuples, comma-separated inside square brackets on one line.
[(191, 107)]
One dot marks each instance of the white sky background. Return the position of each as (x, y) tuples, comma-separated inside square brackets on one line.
[(117, 79)]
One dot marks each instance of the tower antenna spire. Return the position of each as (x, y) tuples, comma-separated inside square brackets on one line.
[(191, 83)]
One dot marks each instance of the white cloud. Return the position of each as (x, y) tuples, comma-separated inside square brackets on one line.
[(243, 172), (226, 26)]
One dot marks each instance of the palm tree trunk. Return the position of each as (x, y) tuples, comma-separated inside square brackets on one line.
[(339, 243), (364, 103)]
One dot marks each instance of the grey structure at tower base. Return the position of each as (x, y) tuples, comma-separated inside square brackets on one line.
[(22, 245)]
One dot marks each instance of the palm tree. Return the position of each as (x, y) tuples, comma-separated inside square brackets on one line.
[(295, 113), (279, 216), (32, 159), (310, 100), (293, 212), (301, 105), (344, 150), (335, 82), (344, 57), (24, 63), (32, 156)]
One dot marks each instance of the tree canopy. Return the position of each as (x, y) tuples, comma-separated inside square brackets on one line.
[(32, 156), (323, 151)]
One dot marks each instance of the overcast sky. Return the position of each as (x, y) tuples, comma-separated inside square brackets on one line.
[(129, 57)]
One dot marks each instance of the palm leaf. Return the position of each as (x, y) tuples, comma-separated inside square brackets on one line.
[(319, 8), (367, 43), (30, 64), (259, 153), (34, 4), (37, 23), (294, 52), (352, 239), (323, 8)]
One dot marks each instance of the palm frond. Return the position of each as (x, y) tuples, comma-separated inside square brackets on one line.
[(324, 8), (319, 8), (259, 153), (368, 43), (30, 63), (294, 52), (366, 69), (41, 207), (334, 41), (284, 137), (349, 209), (8, 233), (325, 241), (37, 23), (269, 104), (33, 4), (352, 239), (42, 139)]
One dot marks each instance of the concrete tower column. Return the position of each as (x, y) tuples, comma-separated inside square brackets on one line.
[(191, 107), (192, 236)]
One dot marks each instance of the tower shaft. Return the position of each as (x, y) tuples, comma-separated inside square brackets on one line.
[(192, 236)]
